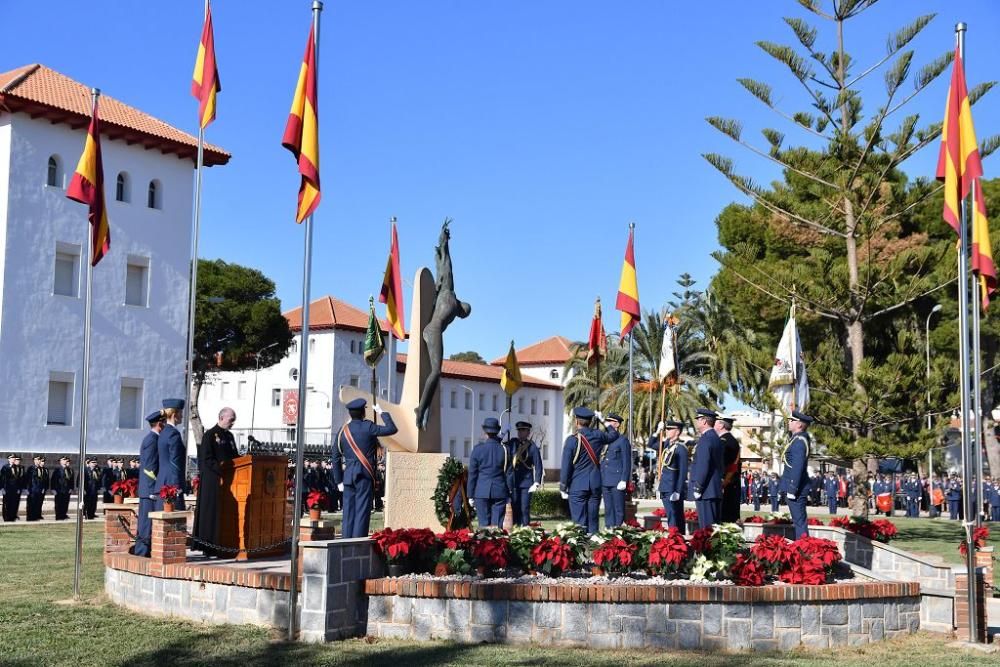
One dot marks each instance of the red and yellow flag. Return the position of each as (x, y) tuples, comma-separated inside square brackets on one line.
[(302, 133), (205, 84), (982, 248), (596, 340), (958, 162), (628, 290), (392, 290), (87, 187), (510, 378)]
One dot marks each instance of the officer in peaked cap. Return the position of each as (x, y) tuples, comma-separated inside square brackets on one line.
[(37, 486), (672, 468), (730, 469), (91, 487), (172, 453), (580, 474), (527, 470), (12, 482), (354, 460), (706, 470), (149, 468), (795, 478), (490, 476), (63, 483), (616, 471)]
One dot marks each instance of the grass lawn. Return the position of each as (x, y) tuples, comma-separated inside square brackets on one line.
[(36, 571)]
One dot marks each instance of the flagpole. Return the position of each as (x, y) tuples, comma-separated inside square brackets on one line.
[(977, 420), (391, 370), (300, 425), (963, 362), (84, 393)]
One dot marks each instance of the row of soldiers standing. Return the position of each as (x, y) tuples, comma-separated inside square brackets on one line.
[(36, 481)]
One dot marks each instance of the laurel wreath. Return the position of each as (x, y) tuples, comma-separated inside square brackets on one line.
[(451, 470)]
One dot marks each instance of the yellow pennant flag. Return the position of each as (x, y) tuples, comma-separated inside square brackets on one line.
[(510, 380)]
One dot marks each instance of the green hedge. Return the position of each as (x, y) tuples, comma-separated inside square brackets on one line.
[(548, 504)]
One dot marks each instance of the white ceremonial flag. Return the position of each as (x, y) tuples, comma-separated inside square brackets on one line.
[(668, 352), (788, 382)]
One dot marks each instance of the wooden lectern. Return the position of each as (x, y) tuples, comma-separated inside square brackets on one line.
[(252, 505)]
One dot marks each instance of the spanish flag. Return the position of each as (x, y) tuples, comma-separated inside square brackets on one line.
[(628, 290), (205, 84), (87, 187), (392, 290), (958, 162), (982, 248), (596, 340), (302, 133), (510, 379)]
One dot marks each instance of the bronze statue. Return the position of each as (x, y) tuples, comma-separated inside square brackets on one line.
[(446, 308)]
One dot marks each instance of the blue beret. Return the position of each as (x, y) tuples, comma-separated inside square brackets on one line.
[(802, 417), (175, 403), (154, 417), (583, 413), (614, 416), (491, 425), (705, 412), (356, 404), (523, 425)]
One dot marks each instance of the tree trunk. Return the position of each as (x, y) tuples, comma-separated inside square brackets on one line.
[(862, 490), (196, 426)]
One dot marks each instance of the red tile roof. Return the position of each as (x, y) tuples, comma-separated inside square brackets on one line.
[(330, 313), (44, 93), (467, 370), (553, 351)]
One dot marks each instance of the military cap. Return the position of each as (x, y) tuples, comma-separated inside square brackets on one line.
[(802, 417), (705, 412), (614, 417), (357, 404), (64, 458), (12, 456), (523, 425), (154, 417), (133, 460), (40, 457), (583, 413), (175, 403), (491, 425), (673, 423), (91, 460), (727, 418)]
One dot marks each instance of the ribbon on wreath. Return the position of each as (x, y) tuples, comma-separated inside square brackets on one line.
[(457, 489)]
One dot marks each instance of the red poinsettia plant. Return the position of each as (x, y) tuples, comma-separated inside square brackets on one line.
[(812, 562), (979, 537), (701, 541), (552, 556), (491, 553), (813, 521), (756, 518), (668, 554), (748, 571), (316, 500), (195, 483), (615, 556), (773, 552), (659, 512), (393, 545), (456, 539), (126, 487), (169, 492), (780, 520), (691, 516), (880, 530)]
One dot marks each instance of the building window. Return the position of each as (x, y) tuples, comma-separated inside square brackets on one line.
[(534, 406), (468, 400), (545, 407), (60, 399), (241, 389), (275, 398), (352, 347), (154, 195), (454, 399), (312, 344), (520, 405), (482, 402), (355, 381), (223, 390), (545, 452), (54, 176), (451, 446), (137, 281), (468, 447), (554, 374), (121, 187), (293, 375), (129, 403), (65, 279), (494, 402)]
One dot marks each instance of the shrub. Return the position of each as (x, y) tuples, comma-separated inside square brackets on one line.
[(548, 504)]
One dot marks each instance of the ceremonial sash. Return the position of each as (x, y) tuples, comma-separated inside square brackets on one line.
[(580, 440), (359, 454), (667, 457), (522, 454), (458, 489)]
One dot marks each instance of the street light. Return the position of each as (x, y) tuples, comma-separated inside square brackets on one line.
[(253, 409), (472, 402), (927, 343)]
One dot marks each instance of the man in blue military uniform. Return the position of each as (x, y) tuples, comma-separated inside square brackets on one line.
[(953, 494), (706, 470), (616, 471), (774, 491), (756, 490), (354, 459), (912, 491), (12, 480), (795, 479), (91, 487), (831, 487), (992, 497), (580, 473), (527, 471), (37, 486), (149, 468), (490, 479), (171, 453), (672, 468), (62, 483)]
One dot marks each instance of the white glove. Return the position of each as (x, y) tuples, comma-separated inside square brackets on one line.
[(377, 408), (659, 427), (599, 415), (532, 488), (674, 497), (790, 496), (697, 495), (621, 486), (505, 435), (565, 496), (340, 487)]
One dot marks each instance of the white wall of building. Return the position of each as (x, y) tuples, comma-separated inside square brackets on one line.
[(41, 333)]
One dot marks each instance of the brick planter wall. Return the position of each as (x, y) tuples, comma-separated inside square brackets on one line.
[(686, 617)]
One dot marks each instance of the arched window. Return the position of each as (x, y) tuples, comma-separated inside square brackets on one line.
[(554, 374), (121, 187), (54, 177), (154, 198)]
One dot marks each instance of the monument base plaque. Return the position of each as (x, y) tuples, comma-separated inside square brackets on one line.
[(410, 480)]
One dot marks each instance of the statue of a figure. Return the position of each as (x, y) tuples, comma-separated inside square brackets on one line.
[(446, 308)]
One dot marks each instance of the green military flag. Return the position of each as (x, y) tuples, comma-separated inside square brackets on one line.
[(374, 345)]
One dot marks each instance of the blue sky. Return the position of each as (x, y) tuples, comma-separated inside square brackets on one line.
[(542, 128)]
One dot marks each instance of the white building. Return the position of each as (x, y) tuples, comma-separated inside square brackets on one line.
[(140, 289), (470, 392)]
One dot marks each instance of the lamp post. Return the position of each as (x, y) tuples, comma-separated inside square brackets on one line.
[(927, 344), (472, 402), (253, 409)]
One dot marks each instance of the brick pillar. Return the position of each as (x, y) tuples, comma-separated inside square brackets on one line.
[(984, 560), (116, 539), (315, 531), (962, 604), (168, 545)]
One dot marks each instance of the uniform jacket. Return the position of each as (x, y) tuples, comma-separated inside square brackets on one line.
[(912, 488), (489, 469), (673, 462), (773, 488), (149, 465), (92, 481), (795, 479), (757, 488), (12, 478), (953, 491), (63, 480), (347, 467), (172, 455), (38, 480), (578, 472), (616, 462), (832, 487), (706, 470), (526, 464)]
